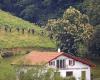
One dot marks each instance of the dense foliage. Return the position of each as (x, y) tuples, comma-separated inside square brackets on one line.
[(94, 44), (92, 9), (72, 30), (42, 10), (37, 11)]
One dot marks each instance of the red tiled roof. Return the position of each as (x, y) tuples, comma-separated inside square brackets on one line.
[(36, 57), (84, 61)]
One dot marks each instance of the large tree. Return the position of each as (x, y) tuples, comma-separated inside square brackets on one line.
[(92, 9), (71, 31), (94, 44)]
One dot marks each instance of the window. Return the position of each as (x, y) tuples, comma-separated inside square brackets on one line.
[(52, 63), (70, 73), (64, 63), (57, 63), (71, 62), (61, 63)]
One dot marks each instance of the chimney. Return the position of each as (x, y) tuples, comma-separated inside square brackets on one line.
[(58, 50)]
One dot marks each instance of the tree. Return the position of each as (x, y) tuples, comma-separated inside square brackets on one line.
[(92, 9), (29, 13), (72, 29), (94, 44)]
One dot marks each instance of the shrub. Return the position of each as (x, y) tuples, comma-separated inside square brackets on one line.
[(41, 73), (69, 78), (27, 52), (7, 54)]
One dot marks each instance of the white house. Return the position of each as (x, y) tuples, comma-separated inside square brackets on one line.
[(66, 64)]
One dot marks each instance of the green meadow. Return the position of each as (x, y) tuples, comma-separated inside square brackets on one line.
[(15, 39)]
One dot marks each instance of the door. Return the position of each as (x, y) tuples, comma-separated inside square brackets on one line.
[(83, 75), (69, 73)]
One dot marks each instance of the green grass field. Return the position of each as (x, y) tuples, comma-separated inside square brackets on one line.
[(17, 39)]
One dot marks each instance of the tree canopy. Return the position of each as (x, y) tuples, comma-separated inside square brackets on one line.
[(75, 27), (92, 9), (37, 11)]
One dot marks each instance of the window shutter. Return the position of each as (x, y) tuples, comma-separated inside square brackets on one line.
[(73, 62), (69, 62)]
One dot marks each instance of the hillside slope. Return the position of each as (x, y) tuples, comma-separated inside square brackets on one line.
[(12, 38)]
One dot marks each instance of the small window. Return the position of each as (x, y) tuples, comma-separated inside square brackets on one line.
[(69, 73), (64, 63), (71, 62), (52, 63), (58, 62)]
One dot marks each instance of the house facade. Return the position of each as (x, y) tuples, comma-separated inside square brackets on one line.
[(66, 64), (70, 67)]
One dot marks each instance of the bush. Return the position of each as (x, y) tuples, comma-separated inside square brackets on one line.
[(7, 54), (41, 73), (27, 52), (69, 78)]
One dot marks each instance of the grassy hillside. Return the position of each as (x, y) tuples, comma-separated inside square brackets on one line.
[(15, 39)]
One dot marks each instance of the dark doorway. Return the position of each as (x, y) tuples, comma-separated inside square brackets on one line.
[(70, 73)]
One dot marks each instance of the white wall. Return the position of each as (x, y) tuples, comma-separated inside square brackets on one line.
[(76, 73)]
